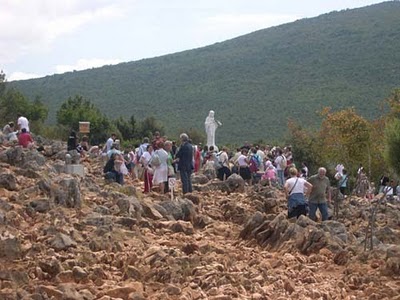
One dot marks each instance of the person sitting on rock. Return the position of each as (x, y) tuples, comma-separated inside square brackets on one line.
[(8, 130), (25, 139), (112, 169), (295, 188), (270, 173)]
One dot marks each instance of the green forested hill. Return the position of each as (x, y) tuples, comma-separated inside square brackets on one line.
[(254, 82)]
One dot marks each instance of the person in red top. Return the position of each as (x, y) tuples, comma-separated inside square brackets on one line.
[(25, 139)]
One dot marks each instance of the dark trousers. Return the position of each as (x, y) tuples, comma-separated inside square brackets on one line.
[(297, 211), (186, 181), (116, 176), (224, 171)]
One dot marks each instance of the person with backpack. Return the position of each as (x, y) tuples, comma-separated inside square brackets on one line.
[(254, 164), (281, 164), (223, 172)]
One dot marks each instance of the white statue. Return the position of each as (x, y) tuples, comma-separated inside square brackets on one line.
[(211, 125)]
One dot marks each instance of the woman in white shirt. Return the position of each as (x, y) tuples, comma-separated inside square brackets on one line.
[(243, 164), (161, 170), (295, 188)]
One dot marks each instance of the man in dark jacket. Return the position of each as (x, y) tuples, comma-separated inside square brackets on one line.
[(185, 163)]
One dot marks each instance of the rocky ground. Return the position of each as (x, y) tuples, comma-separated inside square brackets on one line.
[(65, 237)]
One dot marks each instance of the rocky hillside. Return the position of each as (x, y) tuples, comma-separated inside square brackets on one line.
[(65, 237)]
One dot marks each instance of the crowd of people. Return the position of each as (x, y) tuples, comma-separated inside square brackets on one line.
[(158, 160)]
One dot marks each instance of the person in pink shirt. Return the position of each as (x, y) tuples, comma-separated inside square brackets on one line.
[(25, 139), (270, 173)]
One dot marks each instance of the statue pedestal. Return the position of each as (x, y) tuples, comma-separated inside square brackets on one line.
[(75, 169)]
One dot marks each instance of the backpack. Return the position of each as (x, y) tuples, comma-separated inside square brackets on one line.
[(155, 160), (217, 161), (254, 164), (283, 162)]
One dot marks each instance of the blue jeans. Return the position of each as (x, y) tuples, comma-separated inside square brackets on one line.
[(281, 177), (186, 181), (323, 208)]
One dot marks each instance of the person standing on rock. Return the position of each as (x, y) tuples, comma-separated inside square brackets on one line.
[(184, 157), (295, 188), (320, 189), (22, 123)]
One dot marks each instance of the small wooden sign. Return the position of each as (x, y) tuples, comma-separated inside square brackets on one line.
[(84, 127), (171, 185)]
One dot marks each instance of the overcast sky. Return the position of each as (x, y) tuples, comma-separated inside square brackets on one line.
[(43, 37)]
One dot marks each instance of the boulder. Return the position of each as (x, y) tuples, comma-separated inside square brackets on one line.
[(130, 206), (199, 179), (234, 184), (10, 248), (179, 209), (257, 222), (8, 182), (62, 242), (40, 205), (20, 157), (51, 266), (67, 193)]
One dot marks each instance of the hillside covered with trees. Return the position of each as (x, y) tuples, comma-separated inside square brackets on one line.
[(255, 82)]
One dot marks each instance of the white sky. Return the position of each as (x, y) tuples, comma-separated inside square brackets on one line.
[(43, 37)]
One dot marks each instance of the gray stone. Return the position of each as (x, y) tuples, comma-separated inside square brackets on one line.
[(130, 206), (97, 220), (40, 205), (179, 209), (126, 221), (102, 210), (10, 248), (16, 276), (235, 183), (67, 193), (199, 179), (335, 229), (5, 205), (51, 266), (8, 182), (62, 242), (254, 222), (79, 273)]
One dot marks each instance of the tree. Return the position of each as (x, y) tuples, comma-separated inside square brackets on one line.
[(76, 109), (305, 146), (150, 125), (392, 141), (126, 127), (2, 82), (392, 132), (346, 138)]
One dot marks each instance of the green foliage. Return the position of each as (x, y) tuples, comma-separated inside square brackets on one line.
[(392, 149), (12, 103), (254, 82), (77, 109), (150, 125), (2, 82), (197, 136), (127, 128)]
